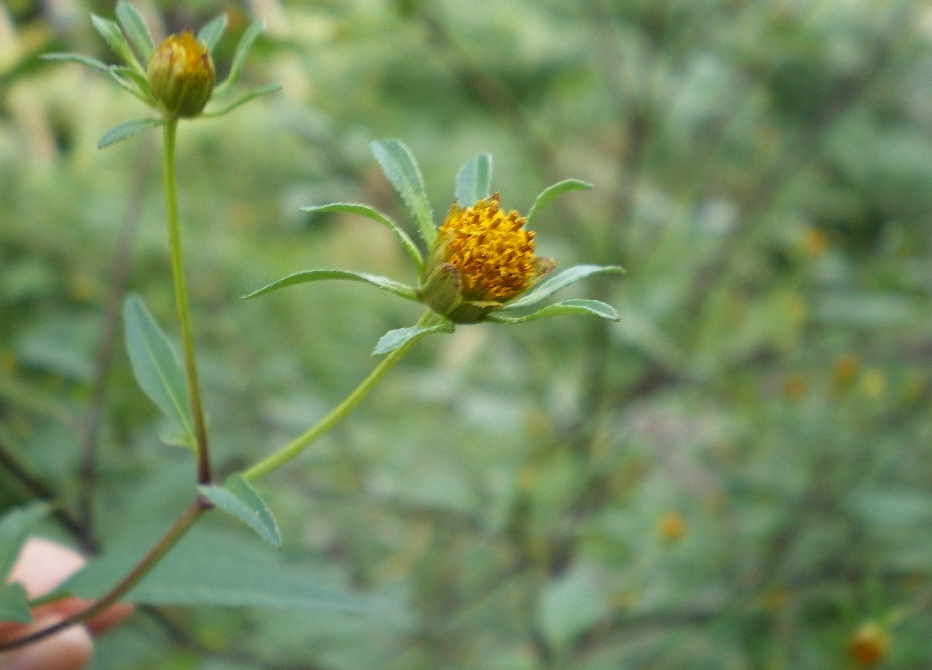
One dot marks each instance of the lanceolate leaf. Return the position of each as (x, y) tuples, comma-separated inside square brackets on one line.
[(474, 180), (558, 282), (399, 337), (124, 131), (553, 192), (15, 527), (211, 32), (240, 500), (384, 283), (156, 367), (14, 604), (378, 217), (572, 306), (77, 58), (136, 29), (402, 171), (242, 49)]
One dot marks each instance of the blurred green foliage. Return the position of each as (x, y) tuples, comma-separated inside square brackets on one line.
[(736, 475)]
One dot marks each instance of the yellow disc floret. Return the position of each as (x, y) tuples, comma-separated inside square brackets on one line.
[(491, 250)]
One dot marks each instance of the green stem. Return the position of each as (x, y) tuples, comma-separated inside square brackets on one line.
[(181, 302), (149, 561), (337, 414)]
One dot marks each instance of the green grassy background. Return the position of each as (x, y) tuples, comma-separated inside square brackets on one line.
[(763, 170)]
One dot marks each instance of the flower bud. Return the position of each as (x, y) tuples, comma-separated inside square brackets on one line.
[(181, 75)]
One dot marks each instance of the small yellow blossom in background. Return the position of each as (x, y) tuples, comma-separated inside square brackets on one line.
[(181, 75), (874, 383), (672, 527), (844, 369), (814, 242), (869, 645)]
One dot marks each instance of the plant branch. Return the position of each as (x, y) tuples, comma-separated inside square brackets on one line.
[(336, 415), (149, 561)]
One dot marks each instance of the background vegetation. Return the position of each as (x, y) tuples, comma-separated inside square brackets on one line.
[(736, 475)]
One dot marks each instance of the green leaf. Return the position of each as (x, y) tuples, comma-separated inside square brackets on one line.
[(124, 131), (378, 217), (474, 180), (402, 171), (112, 34), (558, 282), (14, 604), (572, 306), (239, 499), (399, 337), (15, 526), (100, 66), (384, 283), (218, 567), (156, 368), (553, 192), (242, 100), (250, 35), (136, 29), (211, 32)]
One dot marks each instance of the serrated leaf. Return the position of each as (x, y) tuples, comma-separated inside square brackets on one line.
[(553, 192), (213, 567), (558, 282), (100, 66), (110, 31), (124, 131), (401, 170), (15, 526), (237, 498), (572, 306), (136, 29), (400, 337), (384, 283), (211, 32), (14, 604), (250, 35), (378, 217), (474, 180), (239, 102), (156, 367)]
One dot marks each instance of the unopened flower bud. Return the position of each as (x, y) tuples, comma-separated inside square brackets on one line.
[(181, 75)]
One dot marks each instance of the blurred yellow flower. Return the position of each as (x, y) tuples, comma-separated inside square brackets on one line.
[(869, 645)]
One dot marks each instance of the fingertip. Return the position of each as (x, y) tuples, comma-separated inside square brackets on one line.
[(71, 649)]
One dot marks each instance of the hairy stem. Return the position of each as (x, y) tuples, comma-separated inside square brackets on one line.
[(181, 302), (336, 415)]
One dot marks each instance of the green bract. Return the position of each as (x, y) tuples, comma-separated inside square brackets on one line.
[(467, 272), (147, 74)]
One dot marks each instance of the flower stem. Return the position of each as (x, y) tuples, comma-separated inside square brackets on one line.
[(181, 302), (149, 561), (337, 414)]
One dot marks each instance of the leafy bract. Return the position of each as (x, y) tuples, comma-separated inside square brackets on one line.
[(378, 217), (135, 28), (400, 337), (558, 282), (250, 35), (474, 180), (384, 283), (124, 131), (211, 32), (14, 604), (15, 527), (113, 36), (553, 192), (572, 306), (402, 171), (242, 100), (156, 368), (239, 499)]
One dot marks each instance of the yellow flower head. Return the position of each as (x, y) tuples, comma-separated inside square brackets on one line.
[(181, 75), (483, 258)]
